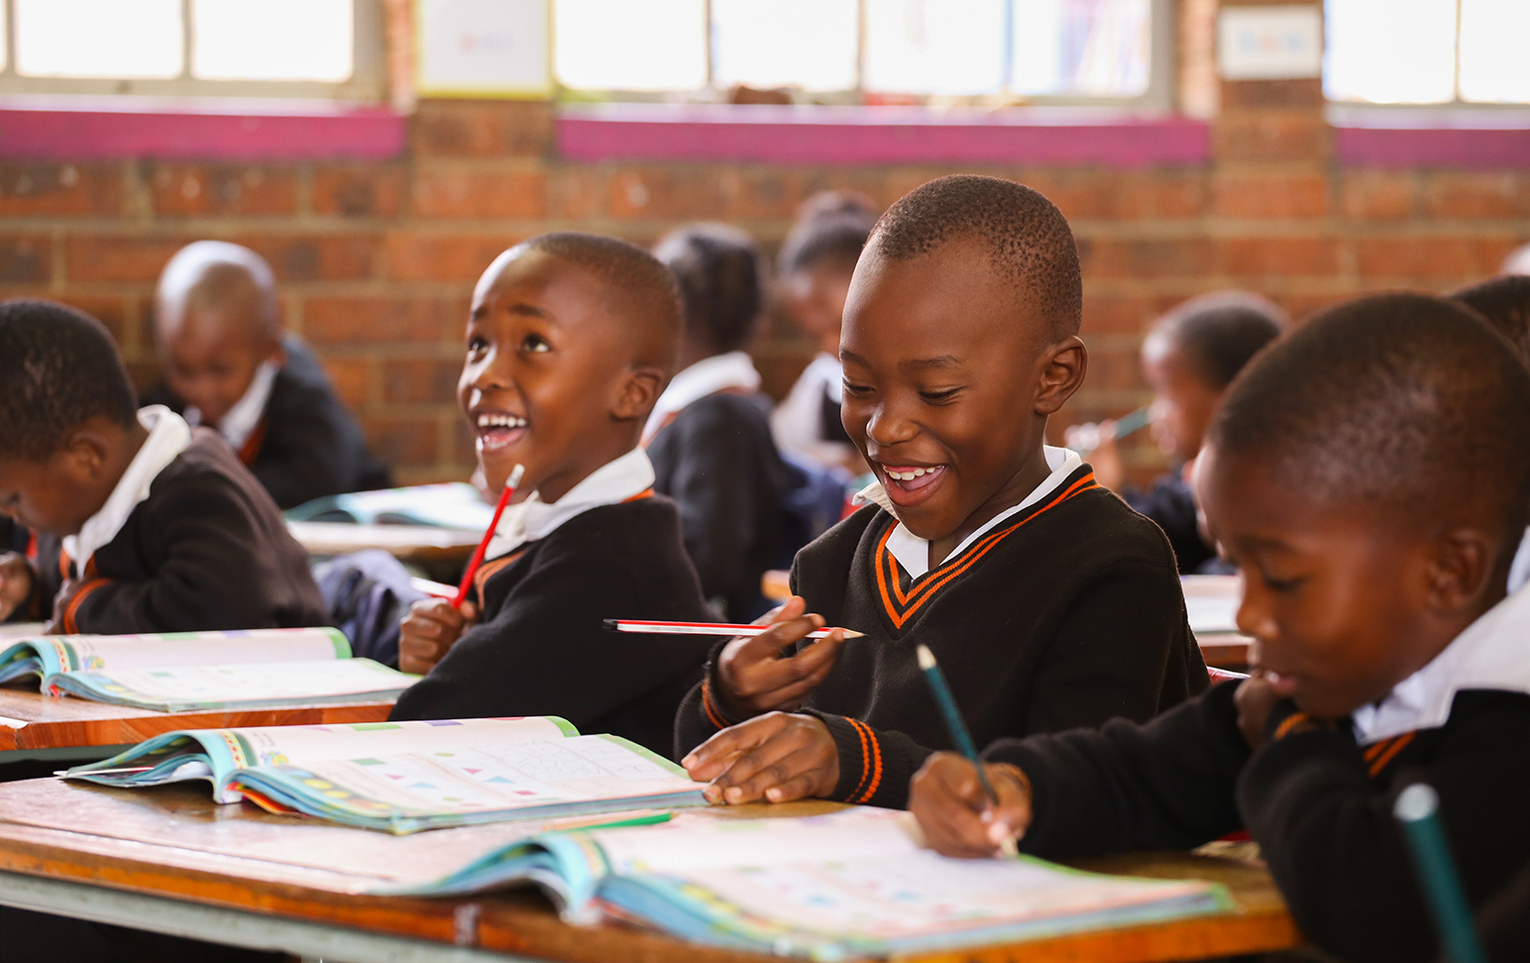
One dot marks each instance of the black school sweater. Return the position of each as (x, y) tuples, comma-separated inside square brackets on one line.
[(307, 444), (206, 550), (541, 647), (1319, 805), (1067, 614), (717, 460)]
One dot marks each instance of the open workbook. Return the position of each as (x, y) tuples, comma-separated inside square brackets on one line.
[(203, 670), (405, 776), (848, 884)]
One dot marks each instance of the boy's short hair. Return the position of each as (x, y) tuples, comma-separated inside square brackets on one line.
[(58, 369), (1029, 239), (1398, 402), (1221, 331), (831, 229), (1505, 303), (212, 271), (721, 272)]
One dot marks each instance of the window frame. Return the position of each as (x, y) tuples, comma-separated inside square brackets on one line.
[(366, 85)]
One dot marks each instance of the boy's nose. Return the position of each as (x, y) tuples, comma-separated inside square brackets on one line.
[(886, 427), (1254, 614)]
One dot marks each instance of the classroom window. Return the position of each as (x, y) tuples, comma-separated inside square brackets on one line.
[(1426, 51), (878, 51), (275, 48)]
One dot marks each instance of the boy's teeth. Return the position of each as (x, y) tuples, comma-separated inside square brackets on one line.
[(500, 421), (907, 475)]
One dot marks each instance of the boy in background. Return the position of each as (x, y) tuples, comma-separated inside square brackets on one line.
[(229, 365), (570, 340), (1048, 601), (1370, 474), (1189, 358), (154, 526)]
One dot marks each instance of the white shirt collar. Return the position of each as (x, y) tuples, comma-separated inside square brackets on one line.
[(706, 377), (913, 552), (533, 519), (1519, 569), (1490, 654), (169, 435), (239, 423)]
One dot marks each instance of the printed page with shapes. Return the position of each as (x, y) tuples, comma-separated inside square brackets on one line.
[(50, 654), (254, 685)]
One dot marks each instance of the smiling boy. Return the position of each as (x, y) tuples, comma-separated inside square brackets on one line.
[(570, 340), (1049, 603), (1370, 475)]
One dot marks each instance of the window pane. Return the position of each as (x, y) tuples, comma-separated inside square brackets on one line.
[(785, 43), (1095, 47), (1493, 65), (98, 38), (1390, 51), (271, 40), (628, 45), (934, 46)]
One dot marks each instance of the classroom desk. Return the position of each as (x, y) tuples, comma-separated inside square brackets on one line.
[(171, 860), (1225, 650), (422, 544), (36, 726)]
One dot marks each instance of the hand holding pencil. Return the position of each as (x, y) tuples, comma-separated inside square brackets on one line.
[(761, 673)]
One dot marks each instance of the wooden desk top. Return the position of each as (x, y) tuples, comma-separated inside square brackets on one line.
[(413, 543), (175, 842), (31, 720), (1225, 650)]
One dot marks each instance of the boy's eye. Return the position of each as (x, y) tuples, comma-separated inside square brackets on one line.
[(535, 344), (1280, 584), (855, 389), (939, 395), (477, 345)]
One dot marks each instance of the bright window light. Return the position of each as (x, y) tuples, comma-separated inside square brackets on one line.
[(1493, 67), (934, 46), (1391, 51), (1096, 48), (808, 44), (629, 45), (98, 38), (272, 40)]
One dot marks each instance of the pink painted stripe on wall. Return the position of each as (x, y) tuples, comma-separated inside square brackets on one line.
[(74, 134), (1461, 147), (876, 135)]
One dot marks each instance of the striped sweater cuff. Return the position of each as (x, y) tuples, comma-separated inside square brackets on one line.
[(863, 764)]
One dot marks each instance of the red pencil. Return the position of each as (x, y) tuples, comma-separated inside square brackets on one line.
[(483, 546)]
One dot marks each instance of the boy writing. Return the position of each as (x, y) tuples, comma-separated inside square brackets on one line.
[(1048, 601), (1370, 475), (162, 528), (570, 340), (228, 365)]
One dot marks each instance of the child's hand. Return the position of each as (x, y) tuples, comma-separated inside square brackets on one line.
[(16, 583), (1255, 698), (430, 629), (954, 812), (756, 674), (778, 757)]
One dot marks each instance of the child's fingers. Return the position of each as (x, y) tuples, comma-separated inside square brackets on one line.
[(708, 760), (948, 801), (762, 679), (797, 757)]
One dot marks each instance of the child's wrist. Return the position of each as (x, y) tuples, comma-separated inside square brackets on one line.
[(1011, 773)]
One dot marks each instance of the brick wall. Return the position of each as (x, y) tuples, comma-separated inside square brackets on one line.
[(376, 260)]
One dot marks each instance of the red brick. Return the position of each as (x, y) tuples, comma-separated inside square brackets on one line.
[(666, 193), (1269, 195), (110, 311), (1120, 195), (1135, 258), (1377, 195), (359, 191), (576, 193), (509, 194), (1280, 256), (381, 320), (403, 441), (24, 259), (1271, 93), (872, 182), (1301, 307), (1413, 258), (1114, 369), (1463, 195), (762, 194), (195, 189), (1259, 135), (420, 380), (57, 190), (465, 128), (1124, 314), (417, 256), (315, 257), (352, 378), (107, 258)]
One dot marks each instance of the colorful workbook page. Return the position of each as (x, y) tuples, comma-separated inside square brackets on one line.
[(445, 505), (848, 884), (249, 686), (48, 655)]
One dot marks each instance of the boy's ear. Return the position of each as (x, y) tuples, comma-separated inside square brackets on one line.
[(84, 453), (1062, 371), (1464, 560), (638, 393)]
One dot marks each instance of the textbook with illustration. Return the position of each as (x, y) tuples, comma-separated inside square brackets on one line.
[(848, 884), (405, 776), (203, 670)]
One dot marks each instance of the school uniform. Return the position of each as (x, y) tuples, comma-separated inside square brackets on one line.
[(293, 432), (1319, 803), (608, 549), (808, 419), (712, 452), (187, 540), (1171, 504), (1063, 611)]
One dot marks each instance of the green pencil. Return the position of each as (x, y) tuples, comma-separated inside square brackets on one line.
[(959, 734), (1416, 809)]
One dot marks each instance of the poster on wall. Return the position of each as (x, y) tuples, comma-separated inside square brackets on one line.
[(483, 48)]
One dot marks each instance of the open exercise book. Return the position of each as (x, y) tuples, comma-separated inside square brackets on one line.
[(405, 776), (848, 884), (203, 670)]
